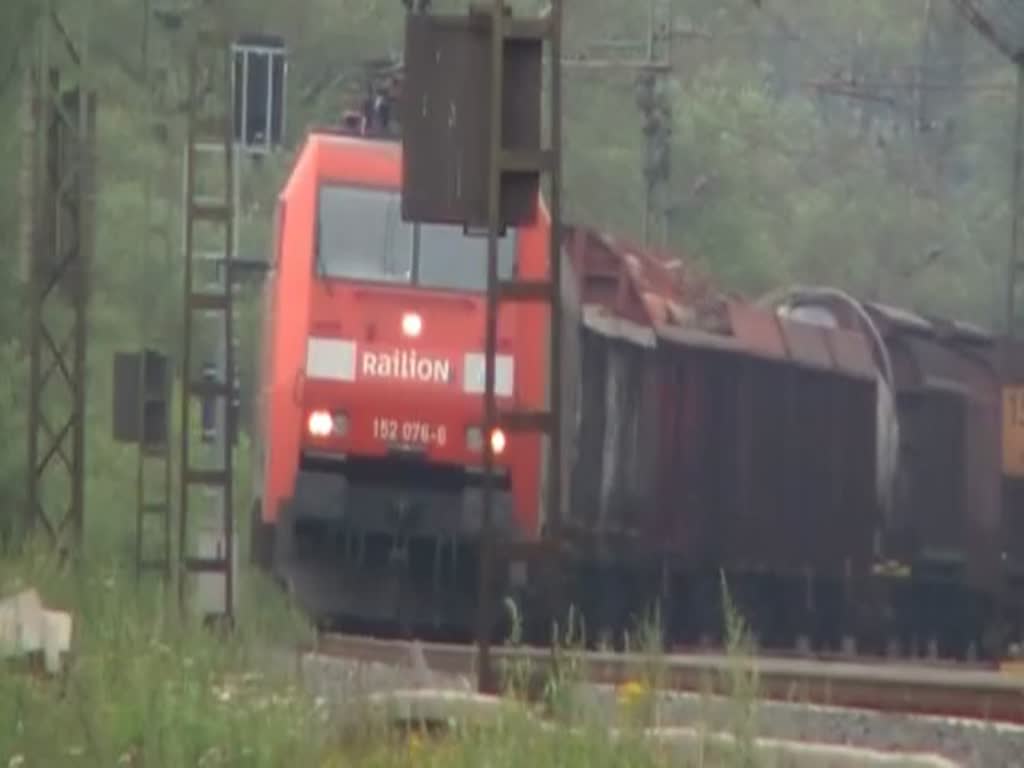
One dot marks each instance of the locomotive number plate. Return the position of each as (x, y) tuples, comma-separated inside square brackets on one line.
[(409, 432)]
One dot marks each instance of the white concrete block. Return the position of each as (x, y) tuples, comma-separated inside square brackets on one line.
[(27, 627)]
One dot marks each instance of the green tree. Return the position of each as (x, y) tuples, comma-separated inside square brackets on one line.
[(797, 155)]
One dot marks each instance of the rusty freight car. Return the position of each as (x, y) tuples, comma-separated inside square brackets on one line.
[(837, 461), (945, 528), (717, 436)]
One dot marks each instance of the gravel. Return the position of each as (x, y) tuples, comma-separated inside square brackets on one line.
[(968, 743), (347, 685)]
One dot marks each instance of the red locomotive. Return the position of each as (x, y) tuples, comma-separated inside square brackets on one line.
[(373, 376)]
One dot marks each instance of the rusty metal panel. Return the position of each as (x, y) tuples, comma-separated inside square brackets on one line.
[(758, 329), (689, 464), (613, 476), (639, 284), (817, 445), (851, 352), (949, 406), (809, 469), (939, 366), (757, 457), (898, 318), (806, 343), (933, 428), (445, 121), (602, 277), (572, 320), (682, 521)]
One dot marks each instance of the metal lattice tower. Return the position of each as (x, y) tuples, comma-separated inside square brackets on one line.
[(655, 106), (61, 247), (651, 60), (207, 464)]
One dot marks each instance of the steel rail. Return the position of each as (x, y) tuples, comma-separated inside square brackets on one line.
[(899, 687)]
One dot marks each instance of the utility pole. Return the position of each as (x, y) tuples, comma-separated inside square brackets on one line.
[(651, 60)]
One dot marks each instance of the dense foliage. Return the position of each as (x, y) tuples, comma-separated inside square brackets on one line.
[(865, 145)]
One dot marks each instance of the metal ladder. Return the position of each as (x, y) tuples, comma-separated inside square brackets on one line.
[(213, 555)]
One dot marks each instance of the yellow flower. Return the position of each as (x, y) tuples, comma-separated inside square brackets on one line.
[(415, 742), (631, 691)]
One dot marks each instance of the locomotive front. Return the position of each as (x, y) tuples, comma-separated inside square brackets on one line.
[(374, 458)]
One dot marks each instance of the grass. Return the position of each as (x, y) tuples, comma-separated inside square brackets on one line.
[(144, 688)]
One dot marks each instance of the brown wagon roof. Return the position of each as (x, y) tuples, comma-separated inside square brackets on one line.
[(621, 284)]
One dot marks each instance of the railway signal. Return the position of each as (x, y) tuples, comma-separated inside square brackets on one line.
[(142, 380), (141, 418), (489, 160)]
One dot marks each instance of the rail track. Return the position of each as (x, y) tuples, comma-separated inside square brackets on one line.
[(977, 692)]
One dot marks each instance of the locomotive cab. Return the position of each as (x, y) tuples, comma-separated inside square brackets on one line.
[(373, 382)]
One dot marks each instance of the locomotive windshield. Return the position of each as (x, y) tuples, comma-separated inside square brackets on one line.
[(361, 236)]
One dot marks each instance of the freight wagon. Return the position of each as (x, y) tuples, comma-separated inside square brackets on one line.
[(836, 461)]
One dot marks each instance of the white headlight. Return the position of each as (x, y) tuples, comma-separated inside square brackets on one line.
[(320, 423), (497, 442), (412, 324)]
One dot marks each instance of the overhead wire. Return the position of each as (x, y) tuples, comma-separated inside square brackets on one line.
[(848, 88), (1001, 22), (858, 88)]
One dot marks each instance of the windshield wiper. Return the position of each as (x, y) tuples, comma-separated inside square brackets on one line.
[(414, 268), (321, 265)]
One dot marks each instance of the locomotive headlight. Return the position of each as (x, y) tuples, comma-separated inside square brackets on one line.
[(320, 423), (412, 324), (475, 440), (497, 442)]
